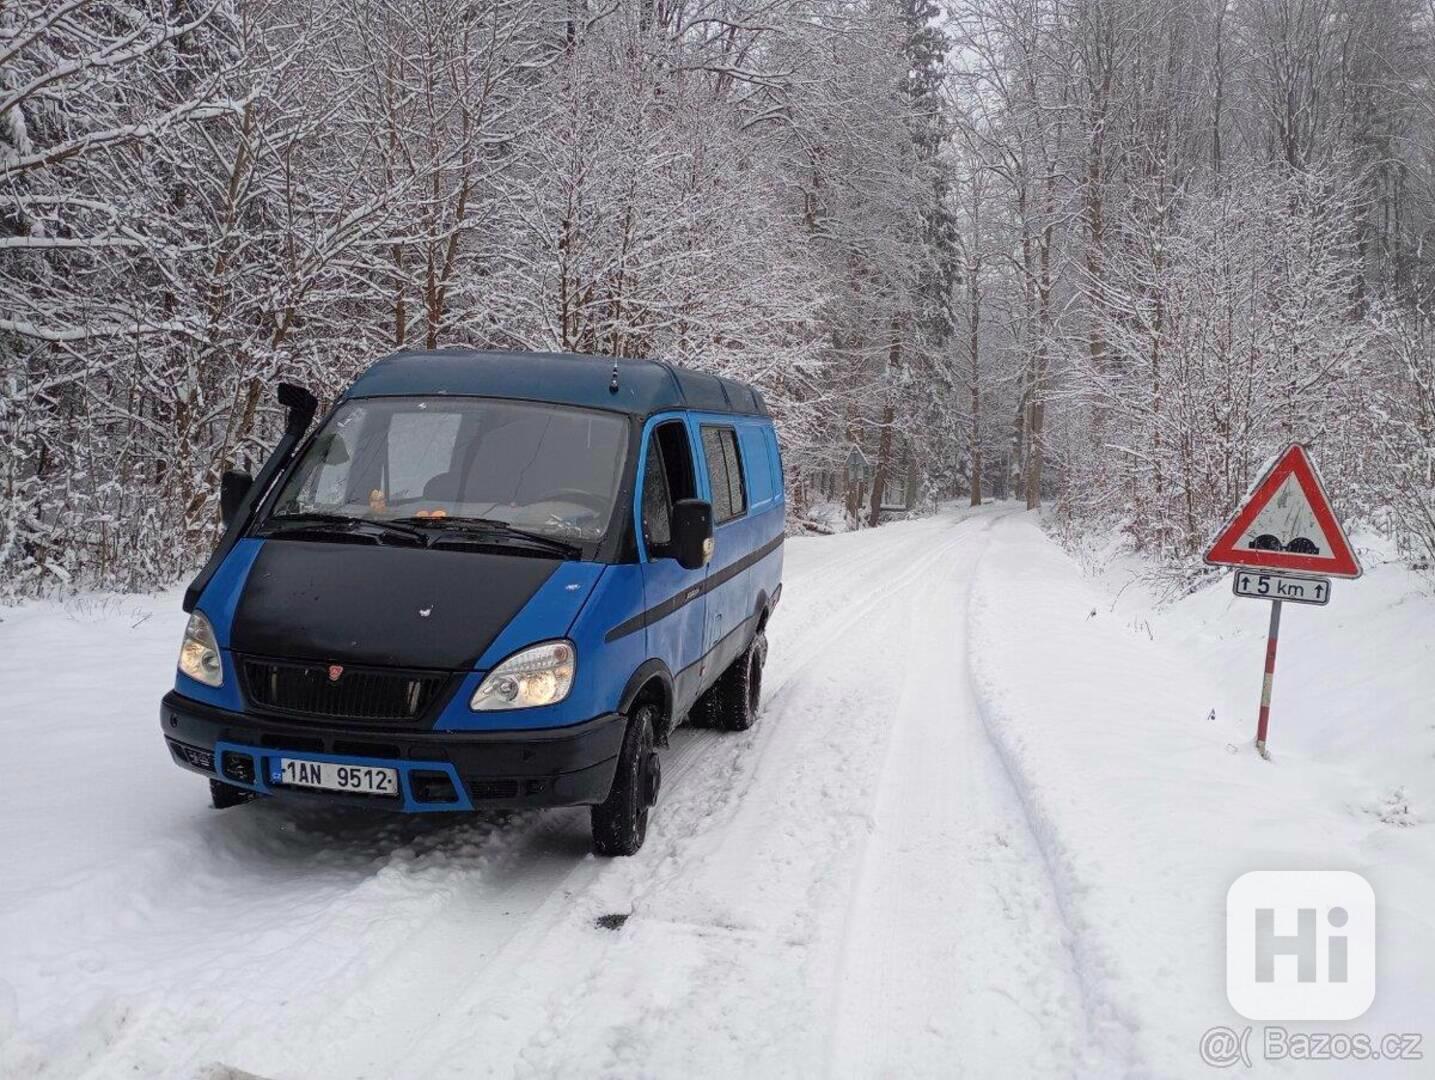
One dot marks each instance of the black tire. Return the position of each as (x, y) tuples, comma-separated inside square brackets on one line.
[(734, 700), (223, 795), (705, 710), (620, 822)]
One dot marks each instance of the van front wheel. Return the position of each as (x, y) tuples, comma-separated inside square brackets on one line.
[(620, 822)]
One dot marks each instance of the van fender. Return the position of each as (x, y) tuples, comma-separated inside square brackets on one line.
[(647, 671)]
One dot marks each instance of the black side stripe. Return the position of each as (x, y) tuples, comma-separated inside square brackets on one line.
[(692, 592)]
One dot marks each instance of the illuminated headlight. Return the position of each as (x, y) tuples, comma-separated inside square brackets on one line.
[(199, 653), (538, 675)]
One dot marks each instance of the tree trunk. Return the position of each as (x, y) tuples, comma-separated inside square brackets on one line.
[(884, 454), (974, 298), (1036, 415), (884, 442)]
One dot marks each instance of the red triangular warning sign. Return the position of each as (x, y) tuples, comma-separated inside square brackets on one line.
[(1286, 524)]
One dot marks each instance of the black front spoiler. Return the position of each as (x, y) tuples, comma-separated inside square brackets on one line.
[(569, 766)]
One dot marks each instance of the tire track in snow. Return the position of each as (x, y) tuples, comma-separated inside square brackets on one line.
[(956, 957), (1111, 1037)]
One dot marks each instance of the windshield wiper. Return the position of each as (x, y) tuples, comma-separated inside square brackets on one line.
[(494, 525), (339, 523)]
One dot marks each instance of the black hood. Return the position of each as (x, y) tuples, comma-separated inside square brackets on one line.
[(380, 605)]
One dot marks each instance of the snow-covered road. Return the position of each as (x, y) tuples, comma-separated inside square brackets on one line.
[(868, 883)]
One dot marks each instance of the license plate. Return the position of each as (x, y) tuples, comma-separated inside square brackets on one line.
[(331, 776)]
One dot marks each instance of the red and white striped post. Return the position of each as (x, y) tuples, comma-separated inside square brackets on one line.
[(1263, 724)]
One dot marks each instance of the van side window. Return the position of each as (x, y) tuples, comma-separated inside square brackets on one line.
[(736, 485), (777, 470), (667, 477), (724, 473), (757, 455), (657, 502)]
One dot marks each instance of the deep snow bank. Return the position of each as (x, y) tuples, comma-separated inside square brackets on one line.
[(1127, 728)]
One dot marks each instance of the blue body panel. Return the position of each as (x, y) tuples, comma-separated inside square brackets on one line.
[(221, 596), (218, 603), (613, 594), (679, 639)]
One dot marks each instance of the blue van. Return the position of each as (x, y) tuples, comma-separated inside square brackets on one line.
[(487, 580)]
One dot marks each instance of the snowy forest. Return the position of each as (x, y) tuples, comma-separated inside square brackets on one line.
[(1105, 256)]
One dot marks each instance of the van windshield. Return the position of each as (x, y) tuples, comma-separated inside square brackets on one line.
[(544, 469)]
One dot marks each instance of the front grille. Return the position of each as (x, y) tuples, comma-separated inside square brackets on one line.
[(369, 695)]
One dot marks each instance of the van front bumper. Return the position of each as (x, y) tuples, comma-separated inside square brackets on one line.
[(568, 766)]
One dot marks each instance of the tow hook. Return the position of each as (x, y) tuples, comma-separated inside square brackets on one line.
[(652, 779)]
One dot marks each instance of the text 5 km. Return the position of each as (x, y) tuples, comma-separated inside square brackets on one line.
[(1299, 590)]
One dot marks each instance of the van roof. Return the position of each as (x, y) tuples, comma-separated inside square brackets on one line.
[(644, 386)]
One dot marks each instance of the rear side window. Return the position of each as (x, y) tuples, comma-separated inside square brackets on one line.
[(757, 454), (724, 473), (776, 451)]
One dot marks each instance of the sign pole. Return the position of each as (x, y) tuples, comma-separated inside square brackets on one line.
[(1263, 724)]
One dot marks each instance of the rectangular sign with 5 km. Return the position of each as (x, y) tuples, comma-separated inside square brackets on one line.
[(1298, 590)]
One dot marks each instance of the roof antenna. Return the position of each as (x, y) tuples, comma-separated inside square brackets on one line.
[(613, 382)]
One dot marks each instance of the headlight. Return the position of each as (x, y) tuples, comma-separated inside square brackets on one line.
[(538, 675), (199, 653)]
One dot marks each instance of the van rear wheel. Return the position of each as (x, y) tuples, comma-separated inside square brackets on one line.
[(620, 822), (733, 701)]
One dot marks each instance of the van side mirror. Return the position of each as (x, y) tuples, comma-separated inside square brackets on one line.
[(692, 542), (233, 487)]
